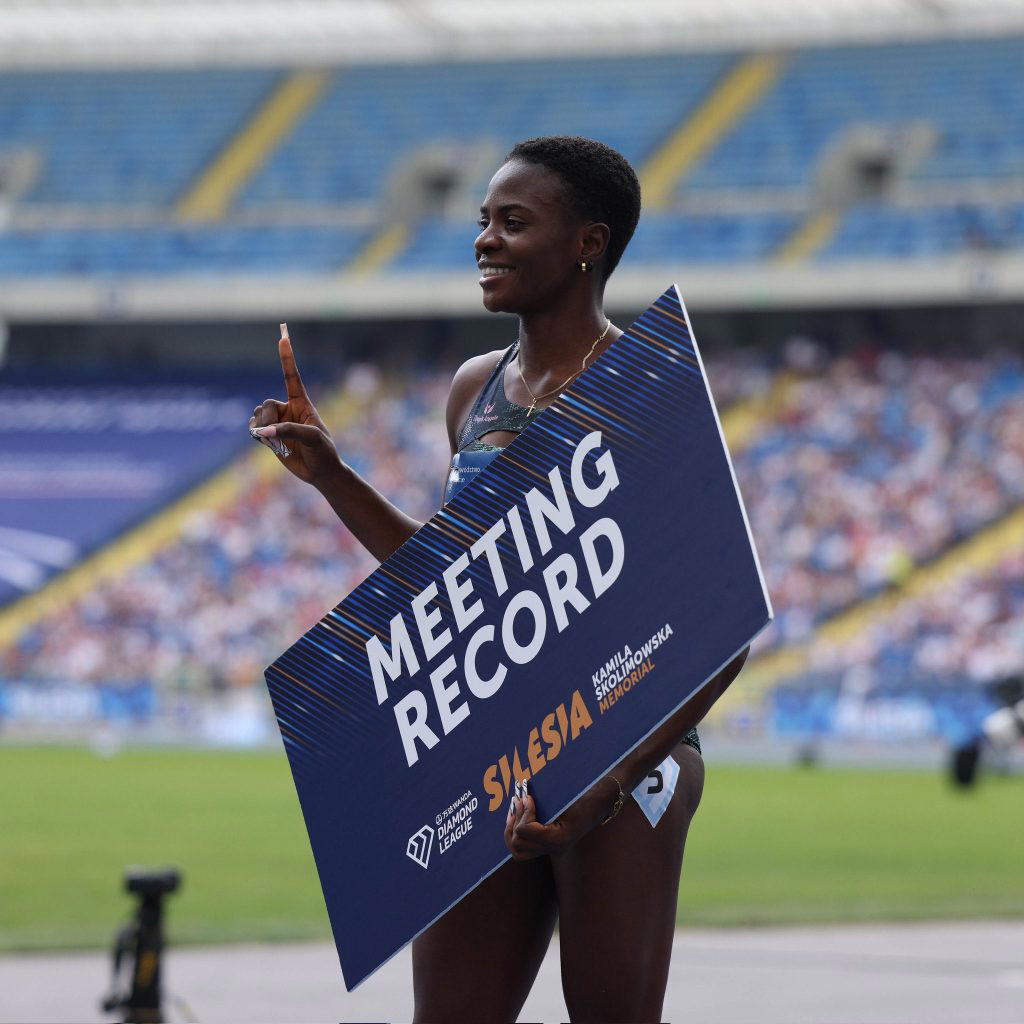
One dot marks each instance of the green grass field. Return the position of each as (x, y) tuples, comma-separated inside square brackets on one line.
[(769, 845)]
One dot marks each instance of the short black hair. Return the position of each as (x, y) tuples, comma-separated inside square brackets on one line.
[(599, 181)]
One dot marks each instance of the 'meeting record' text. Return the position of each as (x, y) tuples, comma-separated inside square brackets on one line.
[(425, 710)]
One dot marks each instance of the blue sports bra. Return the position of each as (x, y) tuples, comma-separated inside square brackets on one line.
[(491, 411)]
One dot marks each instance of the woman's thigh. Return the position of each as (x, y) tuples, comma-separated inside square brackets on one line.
[(479, 961), (617, 893)]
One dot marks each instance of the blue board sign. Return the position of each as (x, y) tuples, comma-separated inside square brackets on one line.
[(550, 616)]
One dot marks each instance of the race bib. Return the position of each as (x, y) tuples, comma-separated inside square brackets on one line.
[(654, 794)]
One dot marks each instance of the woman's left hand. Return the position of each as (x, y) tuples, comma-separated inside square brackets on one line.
[(526, 837)]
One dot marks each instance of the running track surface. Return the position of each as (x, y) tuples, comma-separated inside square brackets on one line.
[(939, 973)]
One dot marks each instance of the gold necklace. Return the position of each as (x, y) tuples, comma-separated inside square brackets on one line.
[(537, 398)]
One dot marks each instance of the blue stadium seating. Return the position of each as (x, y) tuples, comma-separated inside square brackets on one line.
[(375, 117), (708, 238), (969, 90), (167, 250), (873, 230), (111, 138), (124, 137)]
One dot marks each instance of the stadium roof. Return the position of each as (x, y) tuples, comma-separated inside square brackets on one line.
[(126, 33)]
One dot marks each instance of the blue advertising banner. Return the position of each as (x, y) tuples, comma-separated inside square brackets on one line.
[(551, 615), (822, 708), (81, 464)]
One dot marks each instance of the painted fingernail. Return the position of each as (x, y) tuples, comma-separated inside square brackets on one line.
[(269, 431), (284, 331)]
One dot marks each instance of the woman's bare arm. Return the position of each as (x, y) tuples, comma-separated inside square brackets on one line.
[(379, 526), (373, 520), (309, 453)]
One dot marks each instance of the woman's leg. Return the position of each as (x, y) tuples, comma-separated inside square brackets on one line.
[(617, 893), (479, 961)]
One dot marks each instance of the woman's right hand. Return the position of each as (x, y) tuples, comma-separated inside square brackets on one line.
[(311, 456)]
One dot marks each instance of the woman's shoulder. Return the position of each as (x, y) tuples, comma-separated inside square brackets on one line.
[(478, 368), (467, 383)]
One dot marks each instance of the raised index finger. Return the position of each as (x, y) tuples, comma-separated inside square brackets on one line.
[(292, 380)]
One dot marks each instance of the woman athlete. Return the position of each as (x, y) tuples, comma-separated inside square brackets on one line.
[(556, 218)]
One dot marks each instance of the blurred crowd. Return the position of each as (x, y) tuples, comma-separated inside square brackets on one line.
[(871, 463), (874, 463), (968, 630), (210, 611)]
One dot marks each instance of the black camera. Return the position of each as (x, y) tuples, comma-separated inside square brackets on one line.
[(139, 945), (146, 882)]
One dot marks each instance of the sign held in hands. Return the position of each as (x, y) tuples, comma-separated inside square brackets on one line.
[(554, 613)]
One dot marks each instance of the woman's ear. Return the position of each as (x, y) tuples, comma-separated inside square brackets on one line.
[(594, 241)]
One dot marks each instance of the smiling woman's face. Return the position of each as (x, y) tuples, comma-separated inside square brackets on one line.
[(529, 241)]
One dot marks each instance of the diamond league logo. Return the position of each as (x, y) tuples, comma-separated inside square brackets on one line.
[(420, 844)]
